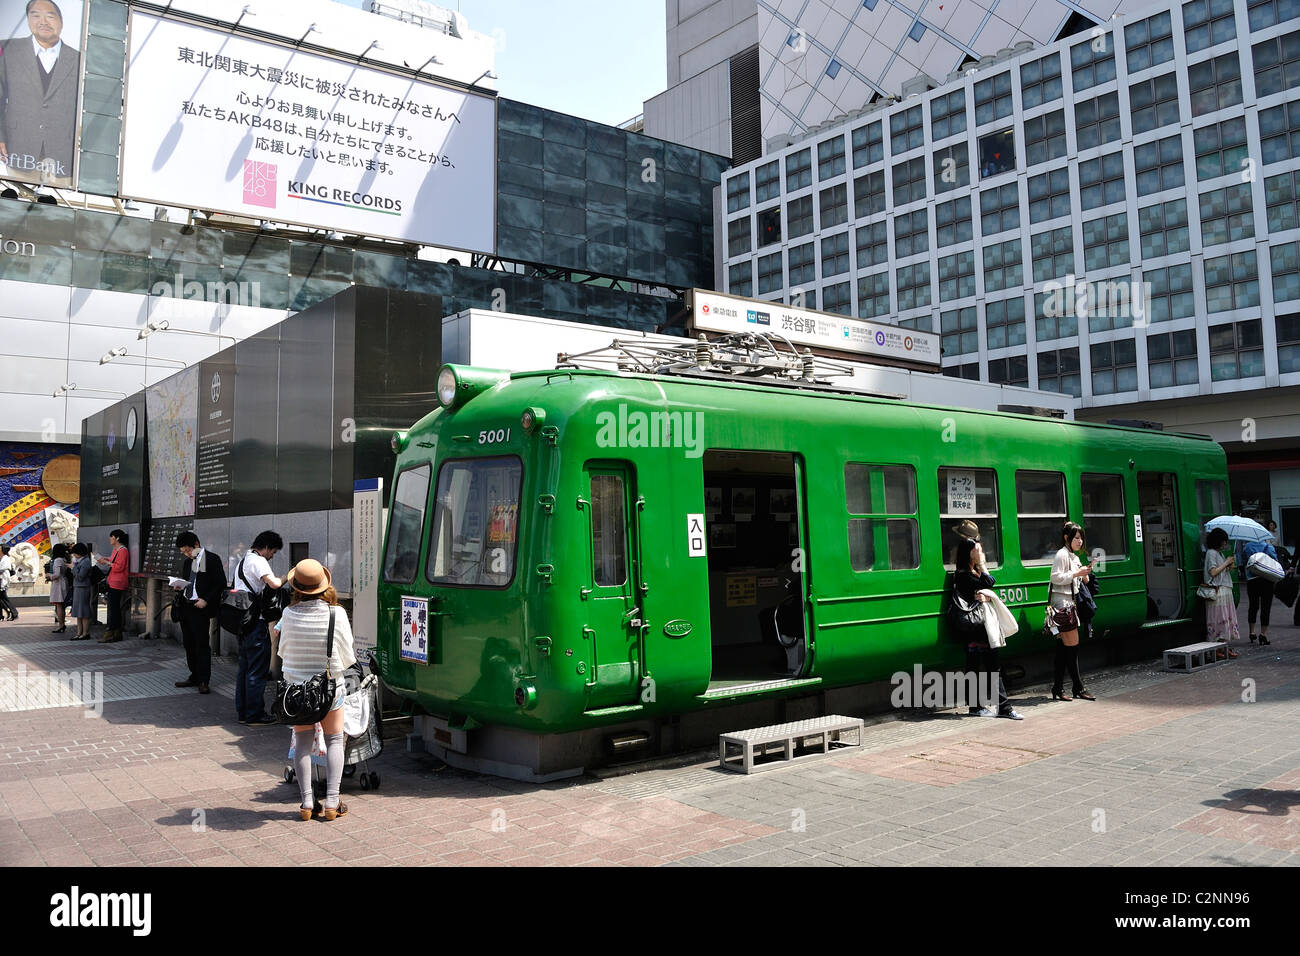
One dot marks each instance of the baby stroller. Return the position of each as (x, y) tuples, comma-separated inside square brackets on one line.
[(362, 739)]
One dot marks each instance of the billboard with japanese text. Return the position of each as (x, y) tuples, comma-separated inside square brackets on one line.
[(215, 121)]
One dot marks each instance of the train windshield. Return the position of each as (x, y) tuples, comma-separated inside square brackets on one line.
[(475, 522)]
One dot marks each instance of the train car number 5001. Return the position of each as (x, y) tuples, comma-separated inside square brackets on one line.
[(493, 436)]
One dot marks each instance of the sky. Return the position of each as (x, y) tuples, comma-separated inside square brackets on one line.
[(597, 59)]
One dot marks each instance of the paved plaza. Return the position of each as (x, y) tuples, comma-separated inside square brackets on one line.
[(1162, 769)]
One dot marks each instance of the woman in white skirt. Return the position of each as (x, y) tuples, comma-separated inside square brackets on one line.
[(1221, 612)]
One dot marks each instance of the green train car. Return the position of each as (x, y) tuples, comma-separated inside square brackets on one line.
[(572, 552)]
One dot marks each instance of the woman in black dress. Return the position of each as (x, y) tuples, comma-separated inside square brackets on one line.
[(970, 578)]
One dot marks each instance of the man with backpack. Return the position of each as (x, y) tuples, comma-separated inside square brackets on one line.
[(253, 576)]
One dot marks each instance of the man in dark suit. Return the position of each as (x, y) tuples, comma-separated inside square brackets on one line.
[(201, 593), (39, 75)]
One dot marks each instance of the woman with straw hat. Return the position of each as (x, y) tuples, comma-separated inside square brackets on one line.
[(304, 630)]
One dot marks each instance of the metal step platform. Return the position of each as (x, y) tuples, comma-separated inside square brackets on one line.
[(1195, 657), (739, 749)]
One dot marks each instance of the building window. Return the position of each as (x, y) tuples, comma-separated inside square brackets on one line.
[(767, 182), (1286, 271), (1004, 266), (1169, 293), (799, 217), (834, 205), (1279, 132), (1000, 209), (835, 255), (1227, 214), (1109, 304), (1104, 514), (869, 194), (992, 98), (1220, 148), (801, 298), (740, 279), (1114, 367), (948, 115), (873, 295), (1288, 343), (1040, 514), (1159, 165), (1004, 322), (1040, 81), (1012, 370), (1280, 200), (873, 245), (909, 181), (913, 286), (960, 331), (1215, 84), (1052, 253), (1049, 195), (997, 153), (1059, 372), (830, 158), (1090, 66), (769, 226), (1171, 359), (1231, 282), (738, 236), (883, 528), (952, 222), (1105, 242), (868, 144), (803, 267), (1207, 22), (1163, 228), (1149, 42), (906, 130), (838, 298), (921, 323), (970, 371), (1277, 64), (798, 170), (957, 276), (951, 167), (911, 233), (1045, 138), (1153, 103), (1101, 181), (1268, 13), (1236, 350), (1096, 121), (1053, 318), (770, 277), (738, 192)]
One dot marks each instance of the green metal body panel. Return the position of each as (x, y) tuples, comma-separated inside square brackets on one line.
[(488, 642)]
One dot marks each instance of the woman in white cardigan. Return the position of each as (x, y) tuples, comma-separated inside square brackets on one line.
[(1067, 577)]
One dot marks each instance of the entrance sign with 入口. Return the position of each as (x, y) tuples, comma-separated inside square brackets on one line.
[(695, 536), (961, 492), (214, 120)]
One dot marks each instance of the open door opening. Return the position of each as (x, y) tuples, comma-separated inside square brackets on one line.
[(756, 580), (1158, 503)]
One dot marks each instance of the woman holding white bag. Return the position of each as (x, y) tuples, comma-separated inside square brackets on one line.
[(970, 578)]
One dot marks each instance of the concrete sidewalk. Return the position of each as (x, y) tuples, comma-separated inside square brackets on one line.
[(1166, 769)]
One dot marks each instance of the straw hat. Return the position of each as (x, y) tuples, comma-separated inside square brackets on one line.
[(309, 577)]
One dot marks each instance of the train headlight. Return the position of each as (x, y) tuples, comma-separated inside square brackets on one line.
[(526, 696), (532, 419), (446, 386), (399, 441)]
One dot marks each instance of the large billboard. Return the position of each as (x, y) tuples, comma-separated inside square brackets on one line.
[(40, 86), (217, 121)]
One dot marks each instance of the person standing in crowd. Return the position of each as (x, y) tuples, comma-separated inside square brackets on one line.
[(304, 631), (60, 577), (1258, 589), (1221, 610), (1284, 557), (7, 610), (81, 590), (201, 592), (971, 577), (253, 576), (117, 564), (1067, 577)]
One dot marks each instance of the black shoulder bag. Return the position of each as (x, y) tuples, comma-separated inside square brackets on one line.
[(240, 610), (310, 701), (965, 617)]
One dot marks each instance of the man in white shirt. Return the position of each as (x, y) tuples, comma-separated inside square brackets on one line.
[(39, 76), (7, 610), (253, 575)]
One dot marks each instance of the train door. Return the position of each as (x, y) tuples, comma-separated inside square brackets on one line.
[(614, 631), (1161, 543)]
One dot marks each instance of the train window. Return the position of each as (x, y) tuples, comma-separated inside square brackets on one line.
[(969, 493), (405, 524), (475, 522), (1212, 497), (1040, 514), (1105, 522), (887, 537), (608, 531)]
